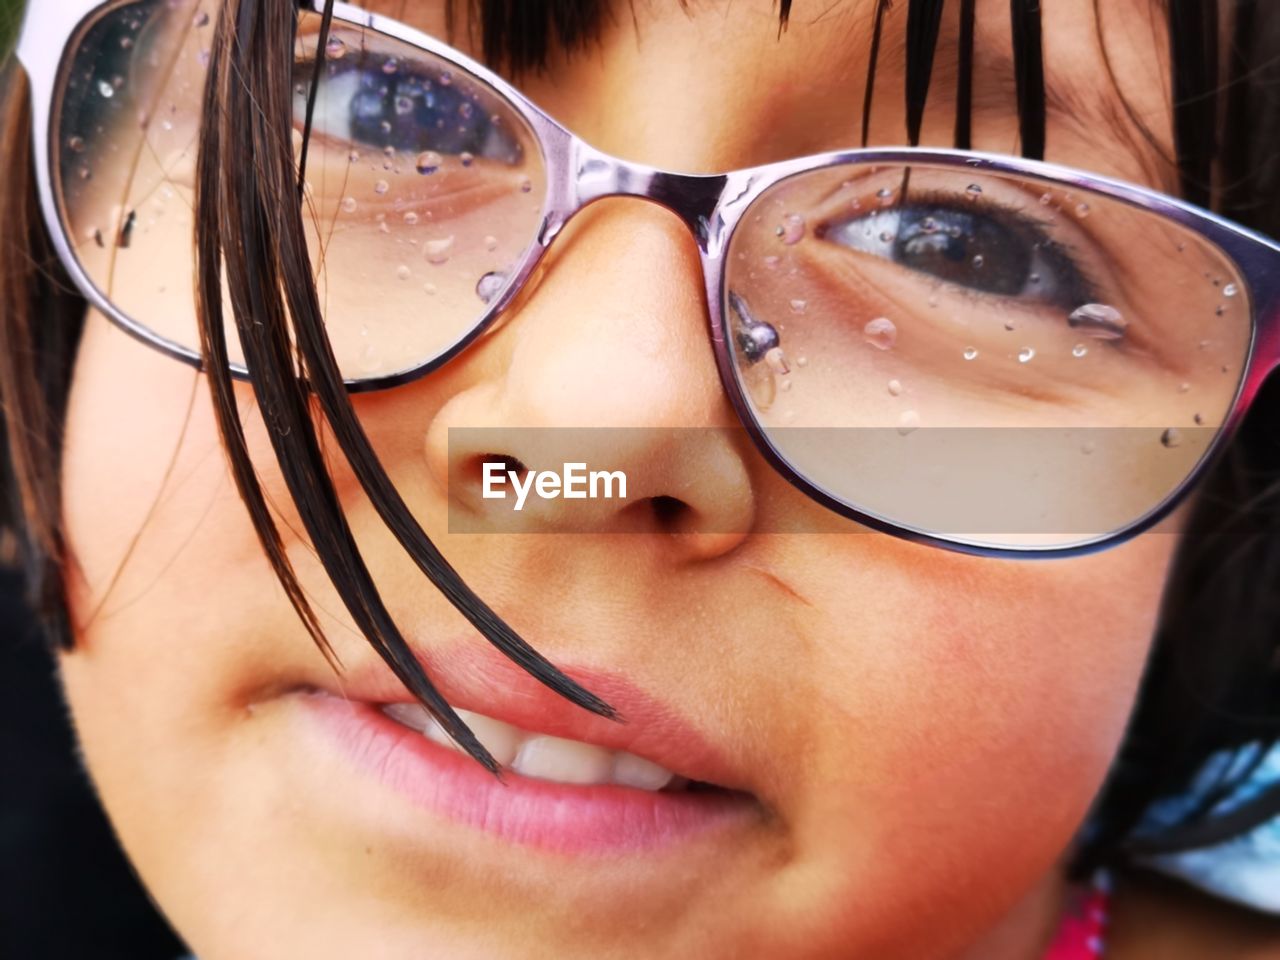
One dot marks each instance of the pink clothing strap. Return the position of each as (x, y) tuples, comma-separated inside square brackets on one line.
[(1082, 934)]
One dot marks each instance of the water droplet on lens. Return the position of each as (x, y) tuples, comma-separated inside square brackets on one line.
[(1025, 354), (1220, 310), (201, 19), (126, 43), (404, 105), (1010, 325), (466, 159), (1046, 199), (1199, 420), (929, 225), (403, 272), (411, 218), (429, 289), (885, 196), (974, 191), (76, 144), (802, 361), (908, 422), (895, 388), (1099, 321), (1230, 290), (799, 306), (465, 110), (881, 332), (777, 360), (1184, 387), (385, 126), (1079, 350), (390, 67), (1171, 437), (381, 187), (970, 353), (792, 229), (1088, 447), (446, 78), (83, 172), (979, 260), (1082, 210), (428, 162), (369, 359), (335, 49), (526, 185), (491, 243), (490, 285), (786, 385), (1033, 278), (106, 89), (437, 251), (886, 237), (349, 205)]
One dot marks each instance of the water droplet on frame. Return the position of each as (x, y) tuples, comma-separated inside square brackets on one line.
[(881, 333), (490, 285)]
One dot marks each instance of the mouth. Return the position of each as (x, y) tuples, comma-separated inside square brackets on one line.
[(571, 782)]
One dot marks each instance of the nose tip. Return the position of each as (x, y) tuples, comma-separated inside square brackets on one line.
[(608, 365)]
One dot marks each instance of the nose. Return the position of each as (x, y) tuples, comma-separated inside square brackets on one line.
[(607, 363)]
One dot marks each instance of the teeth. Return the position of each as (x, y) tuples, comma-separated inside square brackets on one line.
[(632, 771), (539, 756), (500, 739), (565, 761)]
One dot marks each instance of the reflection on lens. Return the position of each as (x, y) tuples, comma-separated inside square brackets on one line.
[(424, 186), (990, 358)]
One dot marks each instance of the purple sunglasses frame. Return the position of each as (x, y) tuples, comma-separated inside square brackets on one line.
[(711, 206)]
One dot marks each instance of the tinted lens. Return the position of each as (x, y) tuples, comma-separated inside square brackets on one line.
[(990, 358), (425, 186)]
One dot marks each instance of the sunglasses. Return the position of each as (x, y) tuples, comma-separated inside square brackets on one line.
[(984, 353)]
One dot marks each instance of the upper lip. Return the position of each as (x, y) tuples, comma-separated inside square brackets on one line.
[(483, 681)]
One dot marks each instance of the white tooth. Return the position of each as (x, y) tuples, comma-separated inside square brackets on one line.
[(412, 715), (565, 761), (435, 733), (500, 739), (632, 771)]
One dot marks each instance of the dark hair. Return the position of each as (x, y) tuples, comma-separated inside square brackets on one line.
[(1214, 679)]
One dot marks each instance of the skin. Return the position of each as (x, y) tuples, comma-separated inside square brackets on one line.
[(927, 730)]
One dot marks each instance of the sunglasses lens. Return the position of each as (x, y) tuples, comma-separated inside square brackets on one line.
[(990, 358), (425, 186)]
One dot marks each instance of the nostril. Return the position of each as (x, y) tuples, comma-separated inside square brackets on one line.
[(667, 511), (473, 469)]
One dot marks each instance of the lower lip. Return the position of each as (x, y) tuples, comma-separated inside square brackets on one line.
[(538, 813)]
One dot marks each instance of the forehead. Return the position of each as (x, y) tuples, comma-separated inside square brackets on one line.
[(801, 89)]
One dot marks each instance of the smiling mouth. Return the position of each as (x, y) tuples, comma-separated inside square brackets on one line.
[(544, 757), (570, 782)]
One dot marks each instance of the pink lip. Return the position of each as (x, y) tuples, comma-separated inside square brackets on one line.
[(560, 817)]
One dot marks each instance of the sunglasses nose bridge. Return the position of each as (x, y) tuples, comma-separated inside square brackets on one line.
[(691, 197)]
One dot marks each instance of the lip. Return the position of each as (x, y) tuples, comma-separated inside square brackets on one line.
[(554, 816)]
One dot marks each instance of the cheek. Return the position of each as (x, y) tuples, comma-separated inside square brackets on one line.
[(967, 712)]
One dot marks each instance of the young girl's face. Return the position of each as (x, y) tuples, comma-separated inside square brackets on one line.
[(912, 737)]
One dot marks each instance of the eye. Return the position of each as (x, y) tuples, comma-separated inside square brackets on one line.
[(379, 102), (986, 249)]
